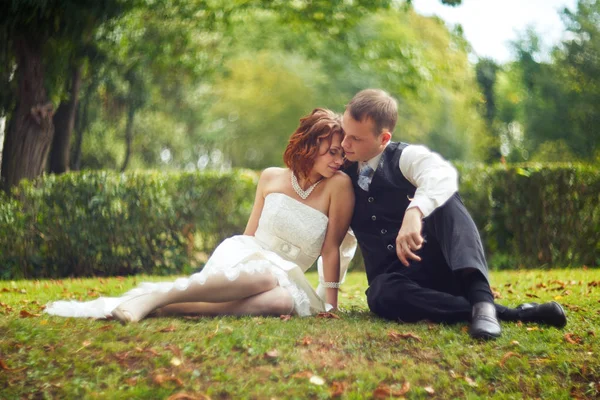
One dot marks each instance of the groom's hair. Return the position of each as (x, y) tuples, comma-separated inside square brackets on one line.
[(376, 105), (320, 125)]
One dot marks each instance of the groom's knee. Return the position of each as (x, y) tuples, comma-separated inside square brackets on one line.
[(381, 298)]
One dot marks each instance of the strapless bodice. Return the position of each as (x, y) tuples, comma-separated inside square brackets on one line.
[(291, 229)]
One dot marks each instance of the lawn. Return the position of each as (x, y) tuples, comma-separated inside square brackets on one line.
[(349, 355)]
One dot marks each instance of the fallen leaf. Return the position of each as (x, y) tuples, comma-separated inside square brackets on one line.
[(272, 354), (429, 390), (337, 389), (409, 335), (327, 315), (6, 368), (531, 295), (471, 382), (507, 356), (303, 375), (169, 328), (106, 328), (557, 297), (453, 374), (27, 314), (160, 379), (572, 338), (285, 317), (306, 341), (131, 381), (515, 342), (187, 396), (316, 380), (533, 328), (176, 362), (384, 391)]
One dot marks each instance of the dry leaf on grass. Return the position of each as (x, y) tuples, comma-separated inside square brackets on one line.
[(303, 375), (306, 340), (471, 382), (327, 315), (5, 367), (27, 314), (573, 339), (531, 295), (169, 328), (429, 390), (106, 328), (285, 317), (316, 380), (272, 354), (160, 379), (507, 356), (384, 391), (188, 396), (409, 335), (131, 381), (176, 362), (337, 389)]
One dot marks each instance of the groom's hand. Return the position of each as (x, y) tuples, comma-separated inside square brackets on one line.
[(409, 237)]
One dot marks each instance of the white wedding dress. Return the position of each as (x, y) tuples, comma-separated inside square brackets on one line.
[(287, 242)]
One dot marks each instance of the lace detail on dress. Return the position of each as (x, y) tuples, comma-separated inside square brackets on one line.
[(300, 226)]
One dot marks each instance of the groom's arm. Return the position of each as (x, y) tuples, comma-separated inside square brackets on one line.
[(436, 181)]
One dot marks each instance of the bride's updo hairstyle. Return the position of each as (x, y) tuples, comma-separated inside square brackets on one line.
[(320, 125)]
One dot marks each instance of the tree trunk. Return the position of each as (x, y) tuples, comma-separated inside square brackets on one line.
[(64, 121), (128, 135), (30, 129)]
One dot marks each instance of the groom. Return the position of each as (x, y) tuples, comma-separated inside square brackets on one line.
[(423, 255)]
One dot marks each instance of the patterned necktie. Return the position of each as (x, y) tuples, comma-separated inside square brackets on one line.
[(364, 177)]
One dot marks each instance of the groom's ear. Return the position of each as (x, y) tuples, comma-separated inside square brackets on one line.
[(385, 137)]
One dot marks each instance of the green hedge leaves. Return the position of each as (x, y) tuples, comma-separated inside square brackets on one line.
[(106, 223)]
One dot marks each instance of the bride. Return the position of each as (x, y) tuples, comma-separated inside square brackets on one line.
[(299, 213)]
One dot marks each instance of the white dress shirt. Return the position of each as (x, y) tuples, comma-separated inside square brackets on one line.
[(436, 179)]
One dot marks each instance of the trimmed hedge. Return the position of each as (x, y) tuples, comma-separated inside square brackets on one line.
[(106, 223), (535, 215)]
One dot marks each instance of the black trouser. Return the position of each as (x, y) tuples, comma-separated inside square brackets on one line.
[(433, 289)]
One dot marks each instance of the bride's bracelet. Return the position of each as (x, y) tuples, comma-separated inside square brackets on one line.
[(331, 285)]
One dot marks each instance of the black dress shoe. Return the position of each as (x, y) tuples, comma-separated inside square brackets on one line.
[(550, 313), (484, 324)]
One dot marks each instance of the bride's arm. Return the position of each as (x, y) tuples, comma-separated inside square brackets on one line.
[(259, 201), (341, 208)]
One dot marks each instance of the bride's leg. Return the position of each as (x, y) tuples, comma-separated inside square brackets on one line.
[(276, 301), (216, 289)]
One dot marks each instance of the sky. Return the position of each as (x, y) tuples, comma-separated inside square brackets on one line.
[(489, 25)]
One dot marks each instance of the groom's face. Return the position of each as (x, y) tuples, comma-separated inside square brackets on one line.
[(361, 143)]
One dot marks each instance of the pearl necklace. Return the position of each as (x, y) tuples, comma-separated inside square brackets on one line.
[(303, 193)]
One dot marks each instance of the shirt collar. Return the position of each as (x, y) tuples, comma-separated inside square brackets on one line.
[(373, 162)]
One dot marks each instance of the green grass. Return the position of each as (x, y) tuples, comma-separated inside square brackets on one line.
[(357, 356)]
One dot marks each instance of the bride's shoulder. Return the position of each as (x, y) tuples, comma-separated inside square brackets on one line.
[(268, 174), (340, 181)]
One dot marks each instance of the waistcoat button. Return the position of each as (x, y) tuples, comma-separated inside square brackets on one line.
[(390, 247), (373, 217)]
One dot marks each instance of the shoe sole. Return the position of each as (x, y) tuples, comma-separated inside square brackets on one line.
[(563, 320), (484, 335)]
